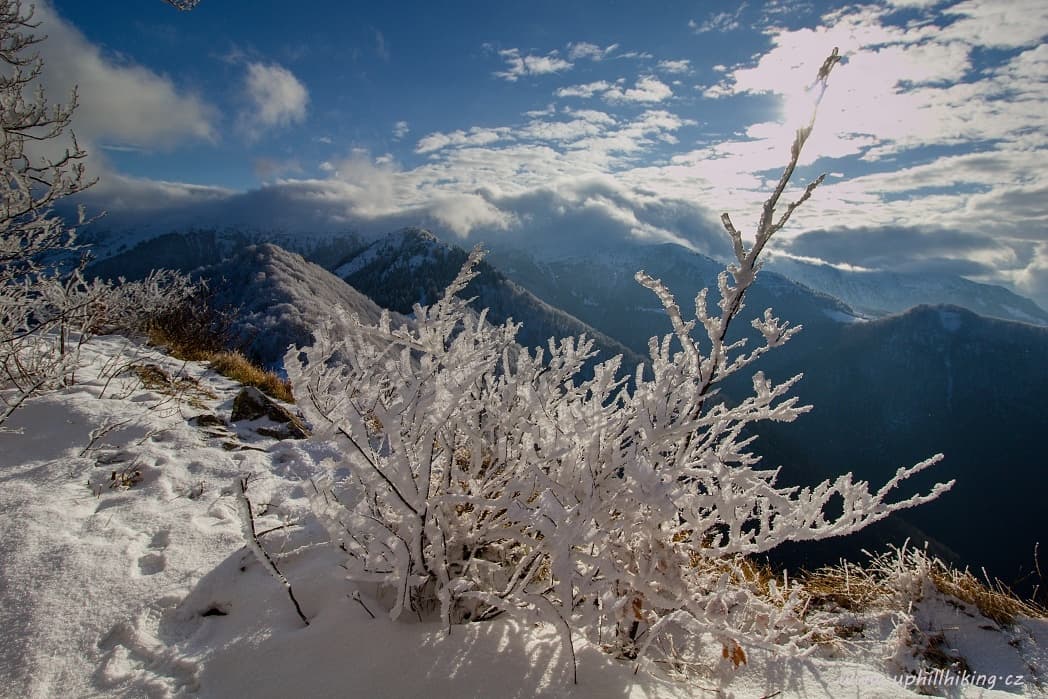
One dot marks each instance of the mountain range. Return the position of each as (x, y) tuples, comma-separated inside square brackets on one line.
[(412, 266)]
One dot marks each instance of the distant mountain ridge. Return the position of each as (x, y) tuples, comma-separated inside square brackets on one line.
[(601, 291), (188, 250), (869, 293), (281, 298), (937, 378), (413, 266), (879, 293)]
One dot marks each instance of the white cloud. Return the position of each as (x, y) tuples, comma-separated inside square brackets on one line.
[(518, 65), (121, 195), (681, 66), (1032, 278), (121, 103), (998, 23), (548, 110), (463, 213), (584, 91), (718, 22), (903, 87), (583, 49), (591, 115), (560, 131), (275, 98), (476, 136), (400, 130), (646, 89), (481, 179)]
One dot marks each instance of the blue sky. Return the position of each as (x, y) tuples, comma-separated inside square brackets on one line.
[(568, 123)]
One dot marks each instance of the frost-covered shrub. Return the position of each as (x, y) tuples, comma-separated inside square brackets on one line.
[(488, 478), (135, 306), (40, 335)]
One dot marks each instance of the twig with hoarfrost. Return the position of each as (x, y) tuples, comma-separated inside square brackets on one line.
[(247, 526)]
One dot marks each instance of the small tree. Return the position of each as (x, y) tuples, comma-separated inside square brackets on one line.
[(47, 307), (486, 478), (34, 242)]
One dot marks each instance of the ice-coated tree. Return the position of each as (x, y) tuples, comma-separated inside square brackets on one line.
[(33, 241), (46, 304), (487, 478), (184, 5)]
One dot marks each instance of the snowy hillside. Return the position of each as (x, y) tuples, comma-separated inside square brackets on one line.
[(412, 266), (280, 298), (123, 572)]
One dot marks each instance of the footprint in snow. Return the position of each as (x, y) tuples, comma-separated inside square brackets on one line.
[(154, 561)]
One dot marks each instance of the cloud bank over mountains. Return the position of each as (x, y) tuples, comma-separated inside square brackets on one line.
[(932, 132)]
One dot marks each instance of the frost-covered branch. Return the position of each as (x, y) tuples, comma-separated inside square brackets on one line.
[(247, 526)]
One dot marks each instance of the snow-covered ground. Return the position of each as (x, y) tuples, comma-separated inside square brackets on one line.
[(123, 572)]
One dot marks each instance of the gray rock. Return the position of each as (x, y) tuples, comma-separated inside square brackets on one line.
[(252, 404)]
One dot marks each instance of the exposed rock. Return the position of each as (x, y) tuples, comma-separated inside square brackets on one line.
[(288, 431), (252, 404), (208, 420)]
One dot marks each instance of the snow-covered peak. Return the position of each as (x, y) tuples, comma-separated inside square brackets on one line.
[(410, 247)]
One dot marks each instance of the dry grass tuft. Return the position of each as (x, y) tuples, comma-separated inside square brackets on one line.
[(179, 347), (903, 572), (845, 585), (195, 329), (196, 335), (994, 599), (236, 366)]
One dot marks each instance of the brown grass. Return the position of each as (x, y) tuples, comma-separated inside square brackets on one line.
[(846, 585), (236, 366), (183, 343), (995, 600), (860, 588), (205, 346)]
